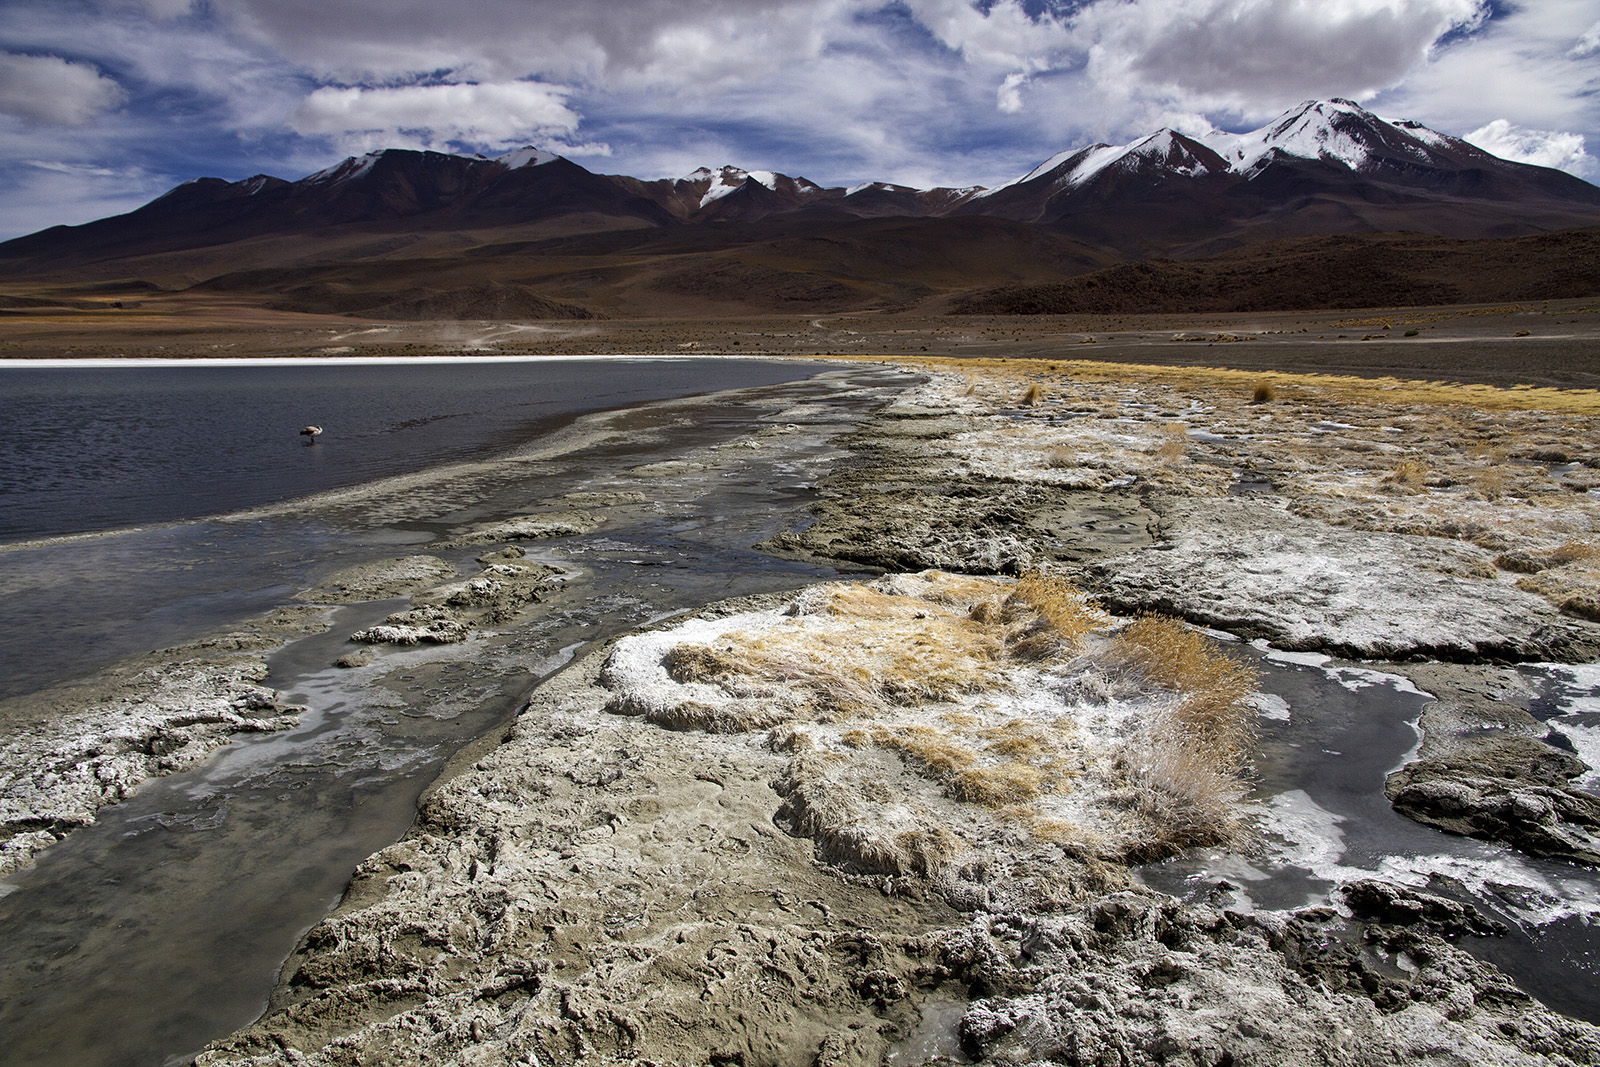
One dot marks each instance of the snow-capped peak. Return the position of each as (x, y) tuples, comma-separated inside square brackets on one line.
[(728, 179), (1042, 169), (346, 169), (1164, 148), (527, 157), (1333, 131)]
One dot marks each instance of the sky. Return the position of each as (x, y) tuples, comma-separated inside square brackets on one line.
[(106, 104)]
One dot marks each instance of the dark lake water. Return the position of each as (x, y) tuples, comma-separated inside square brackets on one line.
[(85, 448), (141, 457), (164, 924)]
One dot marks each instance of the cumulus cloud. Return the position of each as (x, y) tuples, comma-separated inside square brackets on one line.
[(1520, 67), (480, 114), (53, 90), (917, 91), (1257, 56), (675, 42), (1544, 148), (1588, 44), (1009, 96), (1004, 36)]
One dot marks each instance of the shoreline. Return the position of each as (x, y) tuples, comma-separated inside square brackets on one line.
[(353, 982), (27, 362), (698, 455), (991, 980)]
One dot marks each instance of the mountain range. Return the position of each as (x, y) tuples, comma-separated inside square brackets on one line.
[(409, 234)]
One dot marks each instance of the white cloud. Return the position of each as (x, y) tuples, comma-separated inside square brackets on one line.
[(1544, 148), (1521, 68), (1009, 96), (623, 42), (54, 90), (1003, 37), (1588, 44), (425, 115), (1255, 57), (916, 91), (160, 9)]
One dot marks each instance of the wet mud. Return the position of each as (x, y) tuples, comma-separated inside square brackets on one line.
[(166, 916)]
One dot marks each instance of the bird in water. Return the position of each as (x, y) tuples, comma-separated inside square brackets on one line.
[(310, 434)]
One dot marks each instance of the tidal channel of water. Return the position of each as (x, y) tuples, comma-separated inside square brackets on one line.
[(163, 926)]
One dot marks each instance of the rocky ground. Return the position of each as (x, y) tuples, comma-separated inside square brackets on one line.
[(893, 822), (73, 749), (598, 887)]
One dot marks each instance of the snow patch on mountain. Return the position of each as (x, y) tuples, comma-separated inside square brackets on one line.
[(1335, 131), (1044, 168), (1431, 138), (346, 170), (527, 157), (1311, 131), (727, 180)]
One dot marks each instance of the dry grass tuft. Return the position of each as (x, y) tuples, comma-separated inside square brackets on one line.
[(1194, 754), (1033, 394), (1264, 393), (905, 652), (933, 750), (996, 787), (859, 663), (1574, 551), (700, 663), (1408, 474), (1055, 617), (694, 715), (1177, 440), (1492, 482), (1061, 458)]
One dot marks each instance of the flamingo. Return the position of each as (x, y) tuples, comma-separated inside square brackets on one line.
[(310, 434)]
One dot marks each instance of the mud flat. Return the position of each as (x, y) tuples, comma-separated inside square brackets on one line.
[(897, 821), (163, 864)]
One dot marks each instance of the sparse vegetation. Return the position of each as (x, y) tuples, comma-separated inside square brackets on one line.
[(1408, 474), (922, 668), (1052, 617), (1175, 439), (1264, 393), (1195, 752)]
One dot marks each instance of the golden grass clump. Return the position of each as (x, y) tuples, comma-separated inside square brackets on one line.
[(1175, 443), (1195, 752), (1033, 394), (1492, 482), (1334, 387), (1059, 458), (1264, 393), (943, 757), (907, 651), (1056, 617), (1000, 785), (1408, 474), (1574, 551), (932, 749)]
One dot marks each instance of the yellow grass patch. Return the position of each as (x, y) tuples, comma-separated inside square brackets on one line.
[(1193, 754), (1291, 386), (1408, 474)]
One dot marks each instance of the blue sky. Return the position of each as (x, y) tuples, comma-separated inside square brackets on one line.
[(105, 104)]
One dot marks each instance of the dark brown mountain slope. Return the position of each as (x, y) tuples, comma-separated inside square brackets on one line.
[(1349, 271)]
